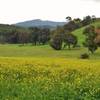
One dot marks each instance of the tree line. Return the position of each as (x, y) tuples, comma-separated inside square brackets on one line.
[(58, 38), (18, 35)]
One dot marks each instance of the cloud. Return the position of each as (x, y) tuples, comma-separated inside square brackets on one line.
[(96, 0)]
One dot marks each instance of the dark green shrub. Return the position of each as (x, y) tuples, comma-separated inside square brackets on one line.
[(84, 56)]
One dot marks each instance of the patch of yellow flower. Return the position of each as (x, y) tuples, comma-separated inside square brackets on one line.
[(50, 76)]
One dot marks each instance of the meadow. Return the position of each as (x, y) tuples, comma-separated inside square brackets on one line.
[(12, 50), (41, 73)]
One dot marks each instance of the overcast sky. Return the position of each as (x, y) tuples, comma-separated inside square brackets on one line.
[(12, 11)]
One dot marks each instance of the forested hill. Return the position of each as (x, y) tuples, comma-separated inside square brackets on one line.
[(40, 23)]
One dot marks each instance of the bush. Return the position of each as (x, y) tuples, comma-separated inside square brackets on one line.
[(56, 42), (56, 45), (84, 56)]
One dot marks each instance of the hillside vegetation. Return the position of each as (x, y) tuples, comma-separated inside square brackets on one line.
[(78, 32)]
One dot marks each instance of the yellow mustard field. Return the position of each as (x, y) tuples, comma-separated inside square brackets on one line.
[(26, 78)]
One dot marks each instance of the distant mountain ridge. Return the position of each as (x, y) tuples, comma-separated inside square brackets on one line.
[(40, 23)]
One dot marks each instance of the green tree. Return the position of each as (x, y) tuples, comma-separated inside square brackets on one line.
[(70, 39), (56, 42), (86, 20), (34, 34), (68, 18), (44, 36), (93, 18), (90, 34), (57, 38), (62, 38)]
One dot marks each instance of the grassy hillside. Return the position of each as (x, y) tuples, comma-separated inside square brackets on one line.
[(79, 32)]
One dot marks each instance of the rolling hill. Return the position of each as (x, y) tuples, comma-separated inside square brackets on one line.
[(40, 23), (78, 32)]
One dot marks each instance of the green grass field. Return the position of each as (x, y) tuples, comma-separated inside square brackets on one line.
[(41, 73), (11, 50)]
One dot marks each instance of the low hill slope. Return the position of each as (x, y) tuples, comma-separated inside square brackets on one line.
[(79, 32)]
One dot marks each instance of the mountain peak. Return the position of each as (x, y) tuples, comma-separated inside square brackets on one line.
[(37, 20)]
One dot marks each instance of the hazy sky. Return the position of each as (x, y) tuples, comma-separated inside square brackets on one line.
[(12, 11)]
